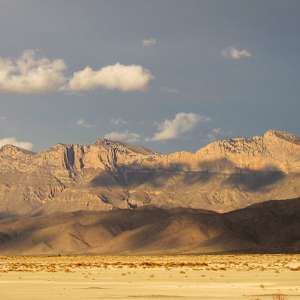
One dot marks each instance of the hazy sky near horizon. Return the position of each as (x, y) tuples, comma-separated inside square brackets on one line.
[(167, 74)]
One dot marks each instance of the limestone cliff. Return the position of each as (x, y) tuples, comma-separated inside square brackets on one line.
[(222, 176)]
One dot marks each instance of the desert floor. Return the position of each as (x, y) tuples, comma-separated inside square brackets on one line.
[(150, 277)]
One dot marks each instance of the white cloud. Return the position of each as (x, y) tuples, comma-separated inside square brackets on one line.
[(15, 142), (114, 77), (3, 118), (29, 74), (118, 121), (175, 128), (85, 124), (235, 53), (149, 42), (124, 136), (215, 134)]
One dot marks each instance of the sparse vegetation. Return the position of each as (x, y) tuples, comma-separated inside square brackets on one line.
[(129, 270), (275, 297), (279, 297)]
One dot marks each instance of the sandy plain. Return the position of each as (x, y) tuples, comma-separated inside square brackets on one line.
[(151, 277)]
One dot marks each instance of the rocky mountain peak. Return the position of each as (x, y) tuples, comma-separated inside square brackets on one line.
[(263, 144), (225, 174), (14, 152), (283, 135), (123, 147)]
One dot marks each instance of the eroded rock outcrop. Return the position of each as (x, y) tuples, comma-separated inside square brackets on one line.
[(222, 176)]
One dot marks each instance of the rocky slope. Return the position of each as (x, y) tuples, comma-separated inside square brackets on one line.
[(222, 176)]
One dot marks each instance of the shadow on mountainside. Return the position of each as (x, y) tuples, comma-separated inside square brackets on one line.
[(273, 223), (254, 181), (272, 226), (132, 176)]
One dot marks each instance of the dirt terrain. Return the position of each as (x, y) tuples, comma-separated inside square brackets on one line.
[(203, 277), (266, 227)]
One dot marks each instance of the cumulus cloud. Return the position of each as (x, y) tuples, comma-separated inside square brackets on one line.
[(125, 78), (124, 136), (15, 142), (29, 74), (149, 42), (235, 53), (85, 124), (176, 127)]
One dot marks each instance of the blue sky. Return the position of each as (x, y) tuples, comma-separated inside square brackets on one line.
[(170, 75)]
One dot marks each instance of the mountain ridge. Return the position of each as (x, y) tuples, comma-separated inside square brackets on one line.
[(223, 175), (265, 227)]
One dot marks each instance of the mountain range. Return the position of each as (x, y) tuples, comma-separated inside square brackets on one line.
[(239, 194), (222, 176)]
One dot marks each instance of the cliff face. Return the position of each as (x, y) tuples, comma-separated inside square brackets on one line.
[(222, 176)]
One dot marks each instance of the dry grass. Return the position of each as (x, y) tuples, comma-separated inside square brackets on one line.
[(275, 297), (279, 297), (275, 263)]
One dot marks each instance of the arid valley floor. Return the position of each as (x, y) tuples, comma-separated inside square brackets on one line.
[(151, 277)]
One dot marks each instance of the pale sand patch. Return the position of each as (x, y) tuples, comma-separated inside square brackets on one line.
[(118, 280)]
